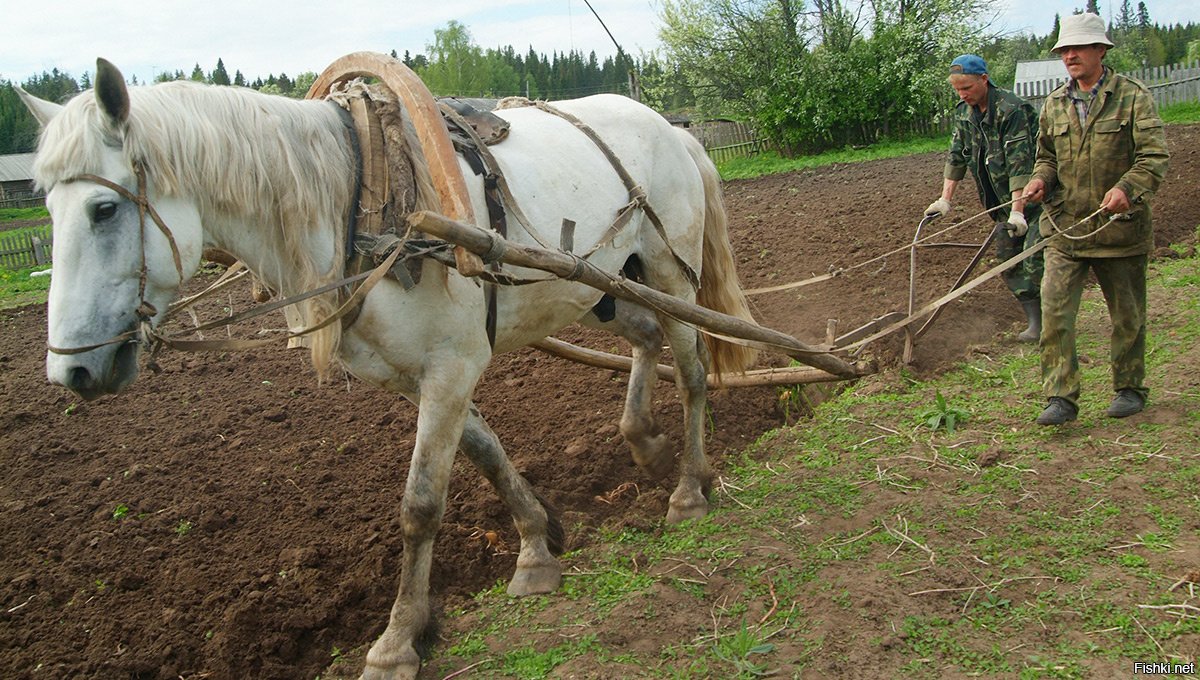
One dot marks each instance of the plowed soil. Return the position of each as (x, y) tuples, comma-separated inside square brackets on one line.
[(229, 518)]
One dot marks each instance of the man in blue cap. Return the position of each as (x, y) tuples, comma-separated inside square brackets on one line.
[(995, 137)]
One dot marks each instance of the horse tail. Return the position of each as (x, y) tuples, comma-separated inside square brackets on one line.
[(719, 287)]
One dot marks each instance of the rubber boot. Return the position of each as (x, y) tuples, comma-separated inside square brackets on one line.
[(1033, 313)]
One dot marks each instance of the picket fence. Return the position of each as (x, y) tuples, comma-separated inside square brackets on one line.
[(1168, 84), (726, 139), (27, 249), (33, 201)]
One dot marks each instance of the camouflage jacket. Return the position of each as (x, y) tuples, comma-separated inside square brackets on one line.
[(1001, 141), (1121, 145)]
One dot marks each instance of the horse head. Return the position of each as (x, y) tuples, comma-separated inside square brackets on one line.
[(117, 263)]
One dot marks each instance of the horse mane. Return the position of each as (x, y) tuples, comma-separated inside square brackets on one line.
[(268, 160)]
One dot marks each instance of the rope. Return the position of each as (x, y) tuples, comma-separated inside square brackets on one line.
[(1063, 232)]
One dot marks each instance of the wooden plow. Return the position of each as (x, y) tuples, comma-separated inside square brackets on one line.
[(824, 363), (905, 321), (910, 335)]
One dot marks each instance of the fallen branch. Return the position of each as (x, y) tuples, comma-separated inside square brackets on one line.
[(905, 538), (1175, 609)]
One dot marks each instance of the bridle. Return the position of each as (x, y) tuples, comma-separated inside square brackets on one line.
[(145, 311), (145, 334)]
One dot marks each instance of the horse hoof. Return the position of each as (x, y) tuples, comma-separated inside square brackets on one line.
[(536, 580), (679, 512), (653, 457), (401, 666), (404, 672)]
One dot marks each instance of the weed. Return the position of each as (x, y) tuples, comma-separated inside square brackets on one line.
[(739, 648), (790, 401), (183, 527), (993, 601), (941, 415), (120, 512)]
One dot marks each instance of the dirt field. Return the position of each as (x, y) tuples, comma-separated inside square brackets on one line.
[(228, 518)]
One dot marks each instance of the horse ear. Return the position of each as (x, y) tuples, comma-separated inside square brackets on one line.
[(43, 111), (110, 91)]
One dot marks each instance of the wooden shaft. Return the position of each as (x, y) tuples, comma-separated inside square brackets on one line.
[(573, 268), (791, 375)]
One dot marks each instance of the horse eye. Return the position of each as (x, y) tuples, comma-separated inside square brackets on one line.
[(103, 211)]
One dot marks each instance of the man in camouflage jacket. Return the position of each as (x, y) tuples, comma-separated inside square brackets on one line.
[(1100, 145), (994, 137)]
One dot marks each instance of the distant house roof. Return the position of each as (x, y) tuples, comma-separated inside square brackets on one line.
[(17, 167), (1035, 71)]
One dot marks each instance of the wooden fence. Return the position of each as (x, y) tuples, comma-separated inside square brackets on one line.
[(30, 248), (1168, 84), (726, 139), (24, 202)]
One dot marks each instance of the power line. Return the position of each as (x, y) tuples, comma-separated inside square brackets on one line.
[(610, 35)]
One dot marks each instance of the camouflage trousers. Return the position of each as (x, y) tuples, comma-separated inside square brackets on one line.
[(1123, 282), (1025, 278)]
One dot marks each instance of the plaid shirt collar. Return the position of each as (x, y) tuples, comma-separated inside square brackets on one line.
[(1083, 101)]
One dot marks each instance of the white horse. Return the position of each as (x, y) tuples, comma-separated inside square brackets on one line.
[(272, 181)]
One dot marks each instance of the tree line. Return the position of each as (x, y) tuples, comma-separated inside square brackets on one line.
[(807, 75), (454, 66)]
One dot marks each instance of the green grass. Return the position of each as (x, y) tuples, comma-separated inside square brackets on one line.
[(18, 288), (13, 214), (1183, 112), (770, 163)]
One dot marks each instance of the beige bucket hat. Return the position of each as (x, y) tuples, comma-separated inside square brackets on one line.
[(1081, 29)]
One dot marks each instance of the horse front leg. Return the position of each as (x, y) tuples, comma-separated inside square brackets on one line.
[(441, 417), (690, 498), (541, 532)]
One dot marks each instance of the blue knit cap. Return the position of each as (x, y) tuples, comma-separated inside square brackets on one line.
[(968, 64)]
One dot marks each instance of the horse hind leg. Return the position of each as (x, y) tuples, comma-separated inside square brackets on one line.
[(537, 523), (690, 498), (648, 444)]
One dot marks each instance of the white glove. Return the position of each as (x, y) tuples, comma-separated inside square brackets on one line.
[(938, 208), (1017, 226)]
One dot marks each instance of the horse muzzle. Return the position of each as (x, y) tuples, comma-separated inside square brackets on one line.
[(93, 374)]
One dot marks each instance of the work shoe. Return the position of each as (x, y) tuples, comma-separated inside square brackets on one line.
[(1127, 402), (1058, 411)]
